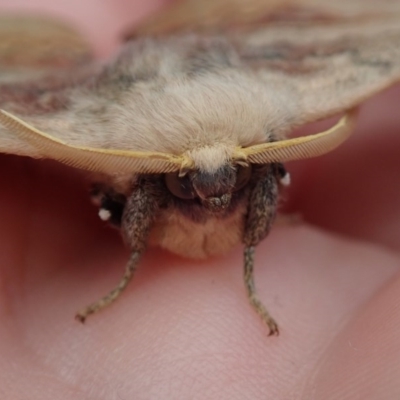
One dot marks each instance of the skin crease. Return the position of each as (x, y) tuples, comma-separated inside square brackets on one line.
[(184, 329)]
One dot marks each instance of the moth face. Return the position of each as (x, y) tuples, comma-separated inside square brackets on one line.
[(214, 190)]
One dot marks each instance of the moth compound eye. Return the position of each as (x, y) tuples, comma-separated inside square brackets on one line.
[(180, 187), (242, 177)]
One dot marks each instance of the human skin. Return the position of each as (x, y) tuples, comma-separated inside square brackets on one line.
[(184, 329)]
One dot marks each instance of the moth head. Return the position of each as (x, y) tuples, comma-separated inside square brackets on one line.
[(229, 173), (213, 189)]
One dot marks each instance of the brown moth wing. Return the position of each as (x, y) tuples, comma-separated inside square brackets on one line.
[(31, 47), (219, 16), (293, 63), (330, 67), (207, 16), (33, 42), (328, 55), (39, 58)]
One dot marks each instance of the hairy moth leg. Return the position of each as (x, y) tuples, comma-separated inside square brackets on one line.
[(139, 212), (115, 293), (261, 214)]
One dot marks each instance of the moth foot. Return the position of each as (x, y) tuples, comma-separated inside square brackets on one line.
[(264, 314), (82, 315), (80, 318), (273, 327)]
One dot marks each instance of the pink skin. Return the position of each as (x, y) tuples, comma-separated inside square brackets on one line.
[(184, 329)]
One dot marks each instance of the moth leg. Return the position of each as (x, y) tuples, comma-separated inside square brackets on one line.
[(261, 214), (139, 212), (115, 293)]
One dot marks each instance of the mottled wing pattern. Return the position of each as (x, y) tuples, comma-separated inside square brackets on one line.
[(221, 16), (53, 98), (330, 55), (330, 66), (313, 58)]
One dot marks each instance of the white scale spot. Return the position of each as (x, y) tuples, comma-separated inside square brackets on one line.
[(104, 214), (285, 181)]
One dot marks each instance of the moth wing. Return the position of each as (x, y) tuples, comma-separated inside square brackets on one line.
[(37, 55), (44, 67), (328, 67), (315, 59), (227, 16), (326, 56), (34, 43), (207, 16)]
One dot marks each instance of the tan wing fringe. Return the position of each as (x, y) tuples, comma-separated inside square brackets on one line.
[(99, 160), (302, 147)]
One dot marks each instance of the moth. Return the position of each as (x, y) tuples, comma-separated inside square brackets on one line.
[(184, 131)]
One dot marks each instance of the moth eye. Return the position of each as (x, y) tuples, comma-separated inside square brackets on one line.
[(180, 186), (243, 176)]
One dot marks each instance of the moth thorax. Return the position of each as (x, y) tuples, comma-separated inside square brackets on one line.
[(210, 159)]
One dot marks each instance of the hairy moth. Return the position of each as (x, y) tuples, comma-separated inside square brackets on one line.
[(185, 128)]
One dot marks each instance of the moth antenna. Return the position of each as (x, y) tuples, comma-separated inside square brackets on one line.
[(130, 270), (92, 159), (302, 147), (241, 159), (186, 166)]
